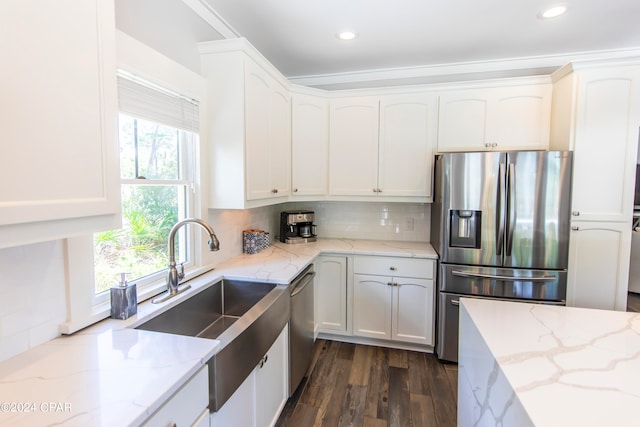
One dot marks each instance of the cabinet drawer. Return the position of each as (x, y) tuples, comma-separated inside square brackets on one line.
[(394, 266), (185, 407)]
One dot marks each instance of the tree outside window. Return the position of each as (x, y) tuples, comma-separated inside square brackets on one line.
[(155, 195)]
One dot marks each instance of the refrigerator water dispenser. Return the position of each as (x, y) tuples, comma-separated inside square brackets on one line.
[(465, 228)]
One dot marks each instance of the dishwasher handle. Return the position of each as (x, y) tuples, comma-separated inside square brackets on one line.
[(301, 283)]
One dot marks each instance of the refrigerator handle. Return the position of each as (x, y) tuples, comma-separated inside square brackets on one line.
[(511, 211), (545, 278), (500, 210)]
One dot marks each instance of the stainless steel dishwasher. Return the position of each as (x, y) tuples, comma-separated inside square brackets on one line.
[(301, 327)]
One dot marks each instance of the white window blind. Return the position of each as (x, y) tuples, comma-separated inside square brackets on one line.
[(145, 100)]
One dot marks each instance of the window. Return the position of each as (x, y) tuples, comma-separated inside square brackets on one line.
[(157, 164)]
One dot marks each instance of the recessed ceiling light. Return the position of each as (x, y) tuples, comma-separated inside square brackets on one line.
[(347, 35), (553, 11)]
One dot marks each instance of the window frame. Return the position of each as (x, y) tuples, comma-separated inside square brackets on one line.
[(143, 61), (155, 283)]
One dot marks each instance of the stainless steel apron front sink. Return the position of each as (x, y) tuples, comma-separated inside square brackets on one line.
[(245, 316)]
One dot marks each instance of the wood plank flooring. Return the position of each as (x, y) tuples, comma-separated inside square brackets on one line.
[(358, 385), (633, 302)]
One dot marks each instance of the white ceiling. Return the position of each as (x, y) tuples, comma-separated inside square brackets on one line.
[(400, 41), (422, 37)]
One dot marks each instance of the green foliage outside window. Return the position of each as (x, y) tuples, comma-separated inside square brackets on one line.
[(149, 209)]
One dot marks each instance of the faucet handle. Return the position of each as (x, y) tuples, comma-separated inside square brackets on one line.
[(181, 271)]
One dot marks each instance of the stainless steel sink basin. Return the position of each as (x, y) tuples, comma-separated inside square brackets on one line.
[(245, 316)]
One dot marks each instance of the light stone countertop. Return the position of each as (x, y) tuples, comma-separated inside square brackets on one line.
[(540, 365), (109, 374), (113, 378)]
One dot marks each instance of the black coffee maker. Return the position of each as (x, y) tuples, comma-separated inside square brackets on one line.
[(297, 227)]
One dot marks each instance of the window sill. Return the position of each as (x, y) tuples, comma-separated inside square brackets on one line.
[(102, 310)]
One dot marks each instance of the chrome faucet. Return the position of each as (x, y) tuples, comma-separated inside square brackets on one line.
[(174, 276)]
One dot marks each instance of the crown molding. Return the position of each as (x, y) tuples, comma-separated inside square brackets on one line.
[(211, 17), (442, 73)]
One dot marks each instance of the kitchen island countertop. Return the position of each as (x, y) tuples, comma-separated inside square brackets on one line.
[(109, 374), (540, 365)]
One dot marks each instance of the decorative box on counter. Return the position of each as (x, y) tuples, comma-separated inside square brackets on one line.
[(255, 241)]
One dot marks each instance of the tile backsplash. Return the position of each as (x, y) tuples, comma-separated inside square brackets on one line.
[(32, 296), (369, 220), (351, 220)]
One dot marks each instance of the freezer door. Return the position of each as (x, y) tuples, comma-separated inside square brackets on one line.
[(472, 188), (522, 284), (538, 209)]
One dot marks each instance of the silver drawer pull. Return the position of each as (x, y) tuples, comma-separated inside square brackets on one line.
[(455, 302), (500, 277)]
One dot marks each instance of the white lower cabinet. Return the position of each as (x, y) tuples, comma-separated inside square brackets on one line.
[(393, 307), (599, 255), (187, 406), (260, 398), (331, 294)]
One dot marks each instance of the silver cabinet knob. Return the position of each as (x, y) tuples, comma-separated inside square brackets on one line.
[(274, 191), (575, 228), (295, 190), (575, 213), (392, 268)]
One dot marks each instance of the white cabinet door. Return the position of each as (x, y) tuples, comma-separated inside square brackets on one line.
[(463, 121), (239, 409), (185, 407), (599, 256), (331, 294), (59, 118), (520, 117), (258, 149), (272, 381), (310, 145), (501, 118), (607, 119), (372, 306), (268, 135), (413, 314), (407, 140), (280, 140), (353, 146)]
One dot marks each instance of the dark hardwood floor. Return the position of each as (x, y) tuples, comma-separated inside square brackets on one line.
[(633, 302), (358, 385)]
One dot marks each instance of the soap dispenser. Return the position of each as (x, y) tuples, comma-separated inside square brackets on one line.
[(124, 299)]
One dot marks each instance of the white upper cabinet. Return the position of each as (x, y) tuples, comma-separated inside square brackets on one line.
[(353, 146), (498, 118), (406, 147), (59, 164), (268, 135), (247, 128), (310, 145), (382, 146), (596, 113)]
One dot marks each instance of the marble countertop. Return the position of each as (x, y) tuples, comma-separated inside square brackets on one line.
[(110, 374), (555, 366), (112, 378)]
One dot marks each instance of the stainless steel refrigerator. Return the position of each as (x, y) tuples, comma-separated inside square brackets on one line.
[(500, 224)]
